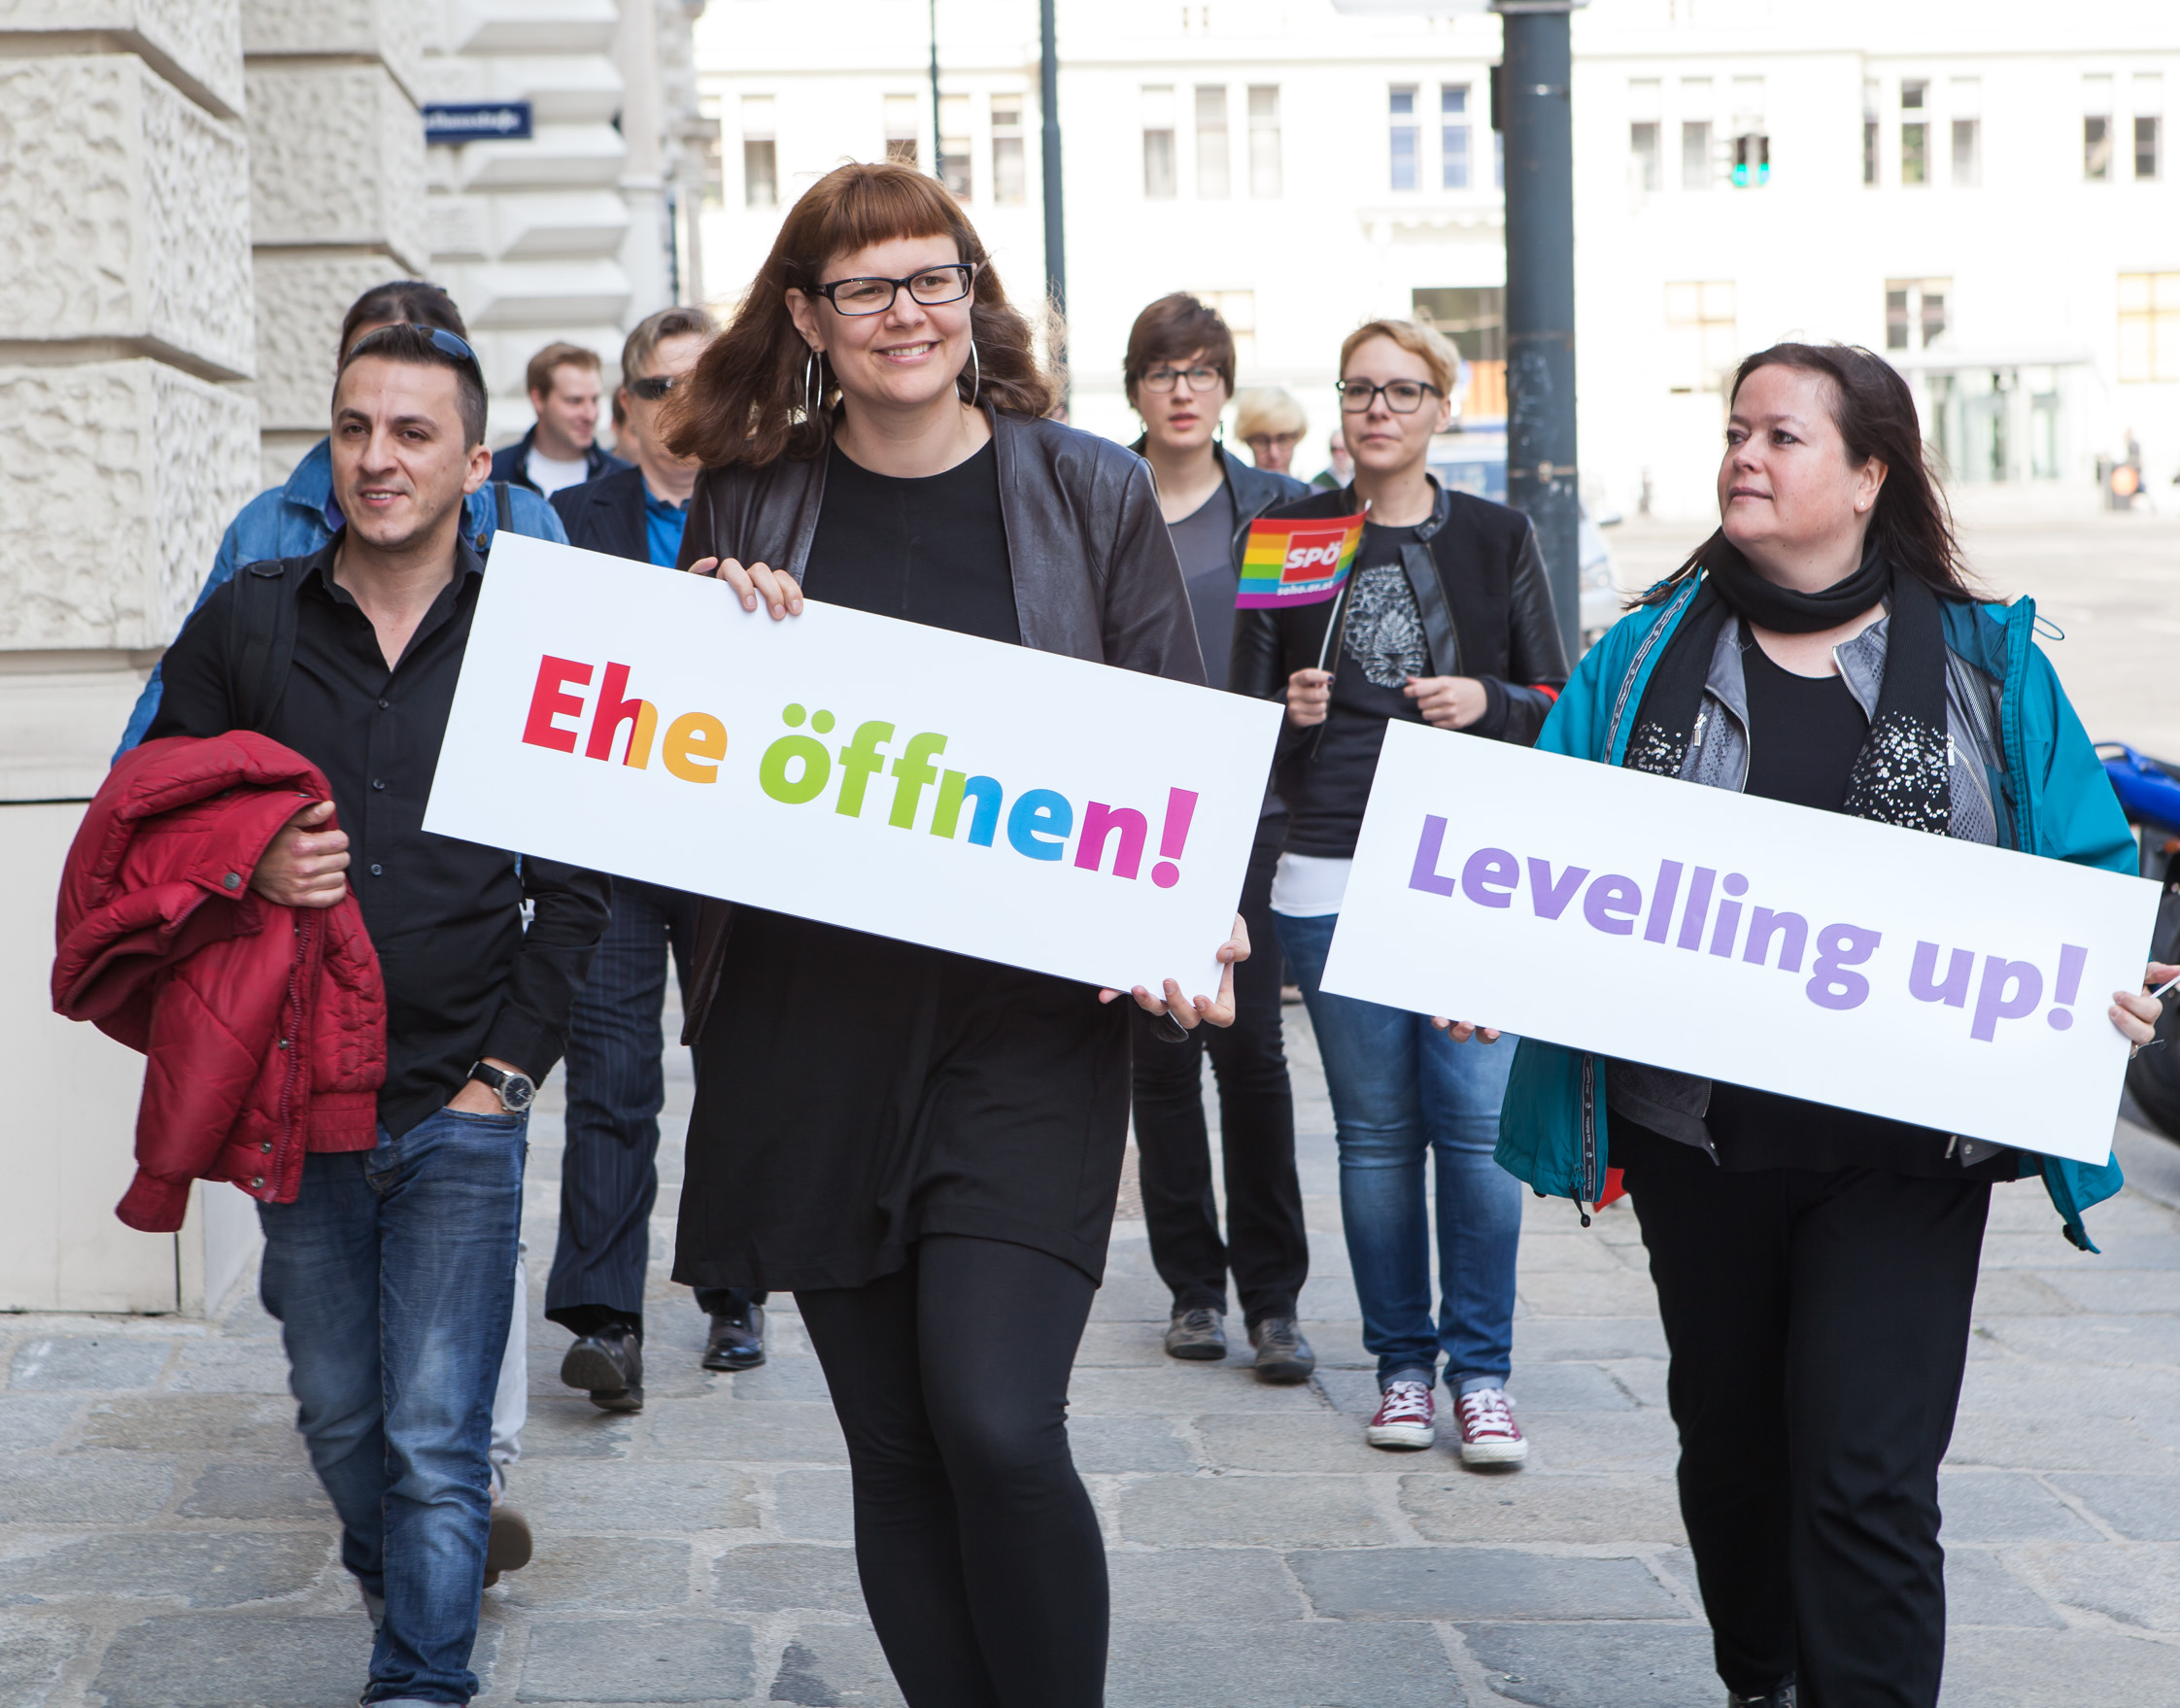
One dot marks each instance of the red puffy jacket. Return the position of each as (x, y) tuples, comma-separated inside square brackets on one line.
[(265, 1025)]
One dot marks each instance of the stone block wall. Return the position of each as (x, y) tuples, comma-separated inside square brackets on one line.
[(124, 214), (337, 189)]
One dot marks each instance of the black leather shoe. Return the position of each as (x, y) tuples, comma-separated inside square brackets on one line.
[(1197, 1335), (610, 1365), (737, 1341), (1282, 1356), (507, 1546), (1782, 1698)]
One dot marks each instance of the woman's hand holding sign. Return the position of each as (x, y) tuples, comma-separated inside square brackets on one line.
[(780, 592), (2136, 1012), (1189, 1013)]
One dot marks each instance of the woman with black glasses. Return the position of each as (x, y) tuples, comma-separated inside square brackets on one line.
[(923, 1148), (1445, 620)]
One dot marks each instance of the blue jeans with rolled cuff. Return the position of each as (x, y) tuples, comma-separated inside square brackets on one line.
[(1403, 1092), (391, 1275)]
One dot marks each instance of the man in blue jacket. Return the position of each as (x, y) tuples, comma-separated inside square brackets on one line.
[(297, 518)]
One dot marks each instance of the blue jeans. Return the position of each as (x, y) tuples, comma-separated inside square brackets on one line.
[(1402, 1090), (393, 1274)]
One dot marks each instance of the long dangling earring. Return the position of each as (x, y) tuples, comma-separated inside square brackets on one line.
[(814, 372), (976, 368)]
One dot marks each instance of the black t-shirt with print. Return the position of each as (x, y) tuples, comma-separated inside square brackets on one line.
[(1381, 648)]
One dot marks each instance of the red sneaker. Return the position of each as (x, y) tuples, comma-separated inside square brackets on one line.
[(1405, 1416), (1489, 1435)]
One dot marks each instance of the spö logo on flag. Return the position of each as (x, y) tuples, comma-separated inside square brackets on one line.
[(1297, 562)]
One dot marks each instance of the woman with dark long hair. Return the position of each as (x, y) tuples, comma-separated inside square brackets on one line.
[(923, 1148), (1815, 1266)]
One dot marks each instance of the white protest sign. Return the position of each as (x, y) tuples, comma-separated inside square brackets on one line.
[(1022, 807), (1809, 953)]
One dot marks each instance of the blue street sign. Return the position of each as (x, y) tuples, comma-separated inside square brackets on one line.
[(465, 122)]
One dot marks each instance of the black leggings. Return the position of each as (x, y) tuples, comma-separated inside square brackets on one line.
[(979, 1553)]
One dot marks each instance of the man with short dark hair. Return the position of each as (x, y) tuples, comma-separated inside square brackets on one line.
[(609, 1176), (561, 447), (393, 1271)]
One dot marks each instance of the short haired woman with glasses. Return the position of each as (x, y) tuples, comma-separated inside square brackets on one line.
[(1445, 620), (1178, 371), (924, 1148)]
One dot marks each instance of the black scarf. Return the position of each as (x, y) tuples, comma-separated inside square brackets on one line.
[(1900, 776)]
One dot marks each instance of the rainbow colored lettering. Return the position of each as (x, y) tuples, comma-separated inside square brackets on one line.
[(797, 767), (1297, 562)]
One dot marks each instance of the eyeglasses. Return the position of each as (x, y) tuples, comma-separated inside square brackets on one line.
[(873, 297), (1402, 396), (652, 387), (1198, 379), (442, 340)]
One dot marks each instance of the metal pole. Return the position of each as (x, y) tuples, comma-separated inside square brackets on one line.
[(938, 158), (1055, 226), (1534, 112)]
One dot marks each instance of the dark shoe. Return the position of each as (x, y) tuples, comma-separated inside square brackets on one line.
[(1782, 1698), (1199, 1334), (610, 1364), (1282, 1356), (737, 1341), (507, 1546)]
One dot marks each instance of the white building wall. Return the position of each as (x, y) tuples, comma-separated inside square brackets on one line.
[(2034, 253)]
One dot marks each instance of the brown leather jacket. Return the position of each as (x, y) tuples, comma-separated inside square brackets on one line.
[(1094, 575)]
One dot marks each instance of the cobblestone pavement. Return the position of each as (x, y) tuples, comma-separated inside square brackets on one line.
[(162, 1540)]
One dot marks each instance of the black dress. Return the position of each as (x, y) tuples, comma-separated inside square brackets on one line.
[(855, 1093)]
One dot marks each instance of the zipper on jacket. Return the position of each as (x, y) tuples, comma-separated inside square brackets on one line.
[(1635, 669), (292, 1043), (1588, 1134)]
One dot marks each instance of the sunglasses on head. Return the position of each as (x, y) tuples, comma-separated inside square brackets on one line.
[(442, 340)]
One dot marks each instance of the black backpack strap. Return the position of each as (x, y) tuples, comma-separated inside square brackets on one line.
[(261, 638)]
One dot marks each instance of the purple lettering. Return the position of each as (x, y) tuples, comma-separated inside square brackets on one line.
[(1490, 877), (1729, 923), (1923, 977), (1661, 900), (1548, 898), (1791, 931), (2009, 990), (1839, 947), (1611, 904), (1699, 904), (1424, 876)]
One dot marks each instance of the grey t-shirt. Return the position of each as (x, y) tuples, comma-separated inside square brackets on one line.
[(1204, 542)]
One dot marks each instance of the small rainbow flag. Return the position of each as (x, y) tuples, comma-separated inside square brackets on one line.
[(1297, 562)]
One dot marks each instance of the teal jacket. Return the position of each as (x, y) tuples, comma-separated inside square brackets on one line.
[(1552, 1130)]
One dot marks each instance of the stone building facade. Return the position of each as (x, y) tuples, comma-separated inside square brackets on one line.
[(195, 191)]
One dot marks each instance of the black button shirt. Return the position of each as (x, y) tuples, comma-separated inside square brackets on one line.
[(463, 979)]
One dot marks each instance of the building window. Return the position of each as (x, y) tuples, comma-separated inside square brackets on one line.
[(1009, 185), (1641, 153), (1701, 348), (1267, 182), (1454, 135), (1751, 138), (1214, 167), (1400, 108), (1966, 98), (1238, 309), (1915, 132), (902, 122), (1915, 316), (2149, 327), (1869, 130), (1160, 183), (2097, 130), (1695, 154), (760, 171), (1475, 320), (2148, 126), (954, 146)]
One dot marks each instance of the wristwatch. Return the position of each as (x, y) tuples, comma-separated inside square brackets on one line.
[(517, 1091)]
